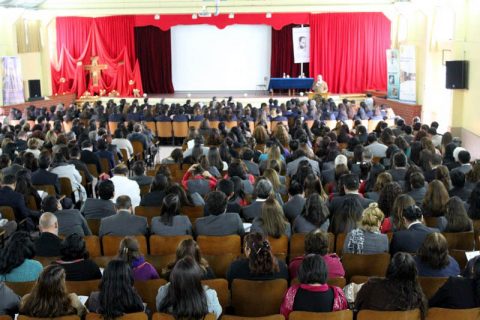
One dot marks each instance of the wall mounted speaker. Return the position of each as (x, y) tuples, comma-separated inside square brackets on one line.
[(457, 74)]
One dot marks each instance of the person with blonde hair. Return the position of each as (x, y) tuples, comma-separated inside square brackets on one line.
[(367, 239), (272, 221), (273, 176)]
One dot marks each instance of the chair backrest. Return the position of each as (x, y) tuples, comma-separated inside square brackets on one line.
[(257, 298), (279, 246), (337, 315), (83, 288), (5, 317), (339, 241), (112, 126), (48, 188), (221, 287), (272, 317), (211, 245), (431, 222), (151, 126), (230, 124), (165, 245), (460, 257), (65, 187), (21, 288), (164, 129), (31, 203), (137, 149), (92, 168), (93, 246), (460, 240), (430, 285), (144, 189), (72, 317), (389, 315), (449, 314), (195, 124), (147, 212), (148, 291), (365, 265), (180, 129), (165, 316), (297, 245), (193, 213), (128, 316), (94, 225), (359, 279), (110, 244), (105, 165), (7, 213)]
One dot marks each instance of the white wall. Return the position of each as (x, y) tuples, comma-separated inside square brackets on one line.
[(205, 58)]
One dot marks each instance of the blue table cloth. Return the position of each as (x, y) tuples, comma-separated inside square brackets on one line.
[(290, 83)]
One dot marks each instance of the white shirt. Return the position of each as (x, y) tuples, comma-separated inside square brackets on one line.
[(123, 144), (126, 187)]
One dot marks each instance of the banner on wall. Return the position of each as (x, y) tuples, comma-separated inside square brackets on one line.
[(301, 44), (12, 81), (393, 72), (408, 75)]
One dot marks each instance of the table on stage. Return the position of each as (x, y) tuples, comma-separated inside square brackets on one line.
[(290, 84)]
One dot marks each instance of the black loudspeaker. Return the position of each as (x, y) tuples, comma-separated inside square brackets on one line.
[(457, 74), (34, 90)]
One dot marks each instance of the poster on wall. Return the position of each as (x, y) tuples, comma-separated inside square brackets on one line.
[(12, 81), (408, 83), (301, 44), (393, 73)]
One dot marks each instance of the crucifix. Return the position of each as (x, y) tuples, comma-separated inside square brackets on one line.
[(95, 70)]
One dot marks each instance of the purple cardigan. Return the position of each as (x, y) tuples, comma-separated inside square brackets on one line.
[(143, 271)]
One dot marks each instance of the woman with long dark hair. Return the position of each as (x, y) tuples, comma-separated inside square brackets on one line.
[(314, 215), (184, 296), (129, 251), (456, 218), (435, 200), (474, 203), (25, 187), (351, 210), (49, 297), (398, 291), (16, 264), (171, 222), (117, 296)]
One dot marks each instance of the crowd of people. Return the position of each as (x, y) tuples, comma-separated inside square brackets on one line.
[(257, 183)]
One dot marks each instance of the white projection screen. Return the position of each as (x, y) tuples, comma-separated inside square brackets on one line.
[(205, 58)]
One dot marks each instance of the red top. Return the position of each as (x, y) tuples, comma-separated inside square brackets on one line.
[(212, 182), (334, 266)]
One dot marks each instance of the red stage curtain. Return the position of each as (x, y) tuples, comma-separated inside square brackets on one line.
[(282, 54), (155, 58), (109, 38), (348, 49)]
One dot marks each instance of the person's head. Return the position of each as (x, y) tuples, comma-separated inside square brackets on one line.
[(117, 295), (351, 212), (263, 189), (411, 214), (50, 204), (73, 247), (18, 248), (434, 251), (399, 160), (124, 203), (272, 176), (138, 168), (106, 190), (259, 253), (313, 270), (295, 188), (44, 160), (442, 174), (216, 202), (350, 183), (401, 202), (226, 186), (435, 198), (49, 297), (315, 210), (417, 180), (382, 180), (464, 157), (402, 269), (185, 298), (129, 250), (272, 217), (9, 180), (302, 42), (170, 208), (316, 242), (120, 170), (159, 183), (456, 216), (190, 248), (387, 196), (458, 178), (372, 218), (48, 223)]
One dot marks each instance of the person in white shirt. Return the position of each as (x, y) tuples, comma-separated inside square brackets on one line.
[(377, 149), (123, 186), (121, 142), (63, 169)]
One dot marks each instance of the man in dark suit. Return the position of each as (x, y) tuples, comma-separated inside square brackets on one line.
[(294, 206), (44, 177), (412, 238), (15, 200), (350, 185), (103, 207), (436, 161), (463, 158), (137, 135), (88, 157), (48, 244), (251, 166), (399, 167), (227, 187), (79, 165), (263, 189), (458, 183), (103, 153), (123, 223), (219, 222), (138, 169), (69, 220), (417, 182), (9, 168)]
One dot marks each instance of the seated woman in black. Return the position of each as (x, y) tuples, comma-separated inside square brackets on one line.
[(75, 260), (259, 264), (313, 294), (459, 292)]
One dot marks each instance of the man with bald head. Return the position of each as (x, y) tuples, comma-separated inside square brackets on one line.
[(48, 244)]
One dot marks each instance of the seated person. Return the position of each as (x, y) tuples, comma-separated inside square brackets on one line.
[(129, 251), (184, 296), (219, 222), (199, 180), (367, 239), (124, 222), (74, 258), (103, 207), (314, 216), (69, 220), (263, 189), (157, 192), (316, 242), (272, 222), (48, 244), (117, 296), (189, 248), (9, 301), (398, 291), (171, 222), (313, 294), (260, 263), (138, 169), (296, 201), (49, 297), (433, 259), (16, 264), (456, 218)]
